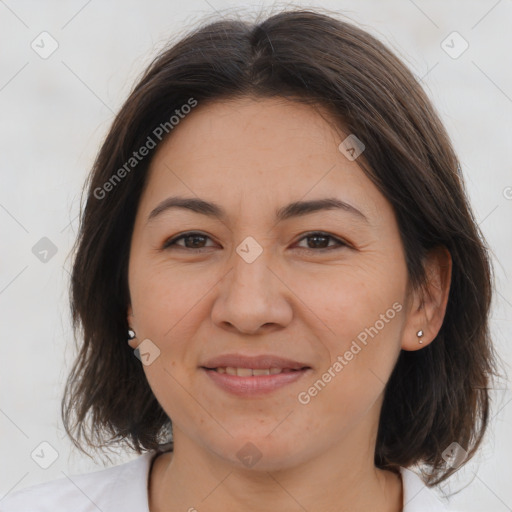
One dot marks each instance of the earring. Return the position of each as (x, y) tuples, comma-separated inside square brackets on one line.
[(420, 334), (131, 335)]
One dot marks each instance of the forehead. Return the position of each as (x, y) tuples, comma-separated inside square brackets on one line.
[(258, 152)]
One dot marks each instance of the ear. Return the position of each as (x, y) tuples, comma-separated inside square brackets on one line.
[(428, 305)]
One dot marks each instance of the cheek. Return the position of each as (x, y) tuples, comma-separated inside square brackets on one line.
[(167, 308), (349, 385), (166, 299), (361, 319), (347, 300)]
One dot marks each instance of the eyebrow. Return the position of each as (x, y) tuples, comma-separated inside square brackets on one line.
[(295, 209)]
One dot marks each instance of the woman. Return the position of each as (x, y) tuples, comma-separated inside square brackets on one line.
[(277, 222)]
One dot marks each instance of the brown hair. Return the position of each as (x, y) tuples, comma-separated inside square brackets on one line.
[(436, 395)]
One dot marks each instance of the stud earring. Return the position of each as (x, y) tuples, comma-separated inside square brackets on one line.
[(131, 335), (420, 334)]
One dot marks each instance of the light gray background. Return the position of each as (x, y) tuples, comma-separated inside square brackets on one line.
[(55, 112)]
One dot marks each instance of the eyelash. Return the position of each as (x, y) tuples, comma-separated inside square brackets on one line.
[(169, 243)]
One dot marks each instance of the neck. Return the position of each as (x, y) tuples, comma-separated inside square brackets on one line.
[(341, 479)]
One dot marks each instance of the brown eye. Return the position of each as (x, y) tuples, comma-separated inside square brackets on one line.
[(192, 240), (320, 242)]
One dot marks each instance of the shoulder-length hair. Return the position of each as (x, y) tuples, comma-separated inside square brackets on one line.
[(435, 396)]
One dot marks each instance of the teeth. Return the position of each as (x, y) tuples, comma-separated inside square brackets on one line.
[(249, 372), (263, 371)]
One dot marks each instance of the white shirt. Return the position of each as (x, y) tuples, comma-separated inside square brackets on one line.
[(124, 488)]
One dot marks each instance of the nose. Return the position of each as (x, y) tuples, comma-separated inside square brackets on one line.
[(253, 297)]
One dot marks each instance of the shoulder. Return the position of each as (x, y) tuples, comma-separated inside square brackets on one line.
[(418, 497), (121, 487)]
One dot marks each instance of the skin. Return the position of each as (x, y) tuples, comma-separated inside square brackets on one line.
[(253, 156)]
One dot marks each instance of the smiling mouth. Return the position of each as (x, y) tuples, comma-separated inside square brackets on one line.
[(254, 382)]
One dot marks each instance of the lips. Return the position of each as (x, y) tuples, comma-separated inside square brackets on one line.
[(253, 376)]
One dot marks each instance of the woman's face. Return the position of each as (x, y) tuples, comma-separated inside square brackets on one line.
[(252, 283)]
